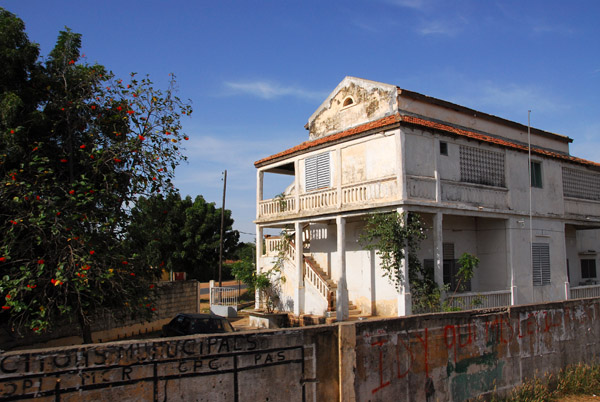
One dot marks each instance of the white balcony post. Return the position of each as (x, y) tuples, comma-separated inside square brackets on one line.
[(297, 186), (259, 252), (438, 253), (259, 190), (567, 290), (342, 291), (404, 296), (299, 263)]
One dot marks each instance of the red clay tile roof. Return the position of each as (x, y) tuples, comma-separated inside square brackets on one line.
[(418, 122), (383, 122)]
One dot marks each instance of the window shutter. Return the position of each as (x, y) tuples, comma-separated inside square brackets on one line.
[(317, 172), (541, 264)]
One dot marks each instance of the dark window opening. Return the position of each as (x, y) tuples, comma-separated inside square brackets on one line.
[(443, 148), (588, 269), (536, 174)]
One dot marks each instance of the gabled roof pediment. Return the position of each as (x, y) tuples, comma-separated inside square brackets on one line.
[(353, 102)]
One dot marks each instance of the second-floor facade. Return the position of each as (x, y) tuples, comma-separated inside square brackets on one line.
[(372, 145)]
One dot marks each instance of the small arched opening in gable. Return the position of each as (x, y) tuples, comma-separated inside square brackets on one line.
[(349, 101)]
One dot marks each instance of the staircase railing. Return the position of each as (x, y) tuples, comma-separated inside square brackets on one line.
[(313, 276), (310, 273)]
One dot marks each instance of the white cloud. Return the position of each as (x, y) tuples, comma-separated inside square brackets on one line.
[(438, 27), (413, 4), (270, 90), (505, 100)]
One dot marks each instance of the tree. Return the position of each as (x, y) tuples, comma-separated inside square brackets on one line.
[(180, 234), (396, 238), (77, 147)]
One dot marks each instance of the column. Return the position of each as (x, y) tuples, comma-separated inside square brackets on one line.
[(297, 186), (438, 249), (404, 296), (508, 223), (436, 173), (259, 191), (400, 165), (259, 252), (299, 263), (342, 287)]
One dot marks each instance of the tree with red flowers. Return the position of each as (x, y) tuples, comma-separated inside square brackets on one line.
[(77, 148)]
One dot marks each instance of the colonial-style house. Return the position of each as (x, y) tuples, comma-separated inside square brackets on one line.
[(511, 195)]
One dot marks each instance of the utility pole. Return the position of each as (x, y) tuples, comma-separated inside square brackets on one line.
[(222, 224)]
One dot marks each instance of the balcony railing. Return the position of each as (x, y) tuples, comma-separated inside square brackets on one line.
[(380, 190), (476, 300), (582, 292)]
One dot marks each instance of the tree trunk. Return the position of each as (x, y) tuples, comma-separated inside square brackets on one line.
[(86, 330)]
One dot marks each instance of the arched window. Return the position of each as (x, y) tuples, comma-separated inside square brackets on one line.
[(348, 101)]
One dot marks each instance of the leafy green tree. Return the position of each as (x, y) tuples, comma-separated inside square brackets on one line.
[(77, 147), (396, 238), (181, 235)]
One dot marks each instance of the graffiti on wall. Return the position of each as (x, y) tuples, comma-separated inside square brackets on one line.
[(155, 368), (468, 356)]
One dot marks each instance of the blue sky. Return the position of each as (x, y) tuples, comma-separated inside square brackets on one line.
[(256, 70)]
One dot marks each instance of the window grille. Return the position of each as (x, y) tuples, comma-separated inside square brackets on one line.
[(581, 184), (481, 166), (317, 172), (541, 263)]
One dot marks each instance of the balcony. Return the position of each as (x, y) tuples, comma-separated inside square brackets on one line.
[(355, 196)]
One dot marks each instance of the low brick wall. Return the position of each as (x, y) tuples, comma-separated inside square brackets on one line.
[(441, 357), (173, 297)]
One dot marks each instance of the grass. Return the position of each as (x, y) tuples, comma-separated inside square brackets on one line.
[(580, 379)]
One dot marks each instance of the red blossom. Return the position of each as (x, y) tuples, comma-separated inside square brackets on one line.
[(130, 112), (124, 262), (91, 191), (71, 192), (64, 160), (153, 308), (35, 149), (141, 138), (13, 222), (117, 160), (132, 274), (58, 213), (2, 259), (152, 286), (154, 178), (92, 252), (93, 107), (85, 268), (5, 307), (12, 131), (91, 156), (186, 138), (40, 262), (72, 62), (82, 146), (119, 108), (8, 297)]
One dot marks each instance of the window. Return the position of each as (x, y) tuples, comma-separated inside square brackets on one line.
[(481, 166), (541, 263), (443, 148), (588, 269), (536, 174), (348, 101), (317, 172)]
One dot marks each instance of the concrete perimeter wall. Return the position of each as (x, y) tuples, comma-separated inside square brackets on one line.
[(445, 357)]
